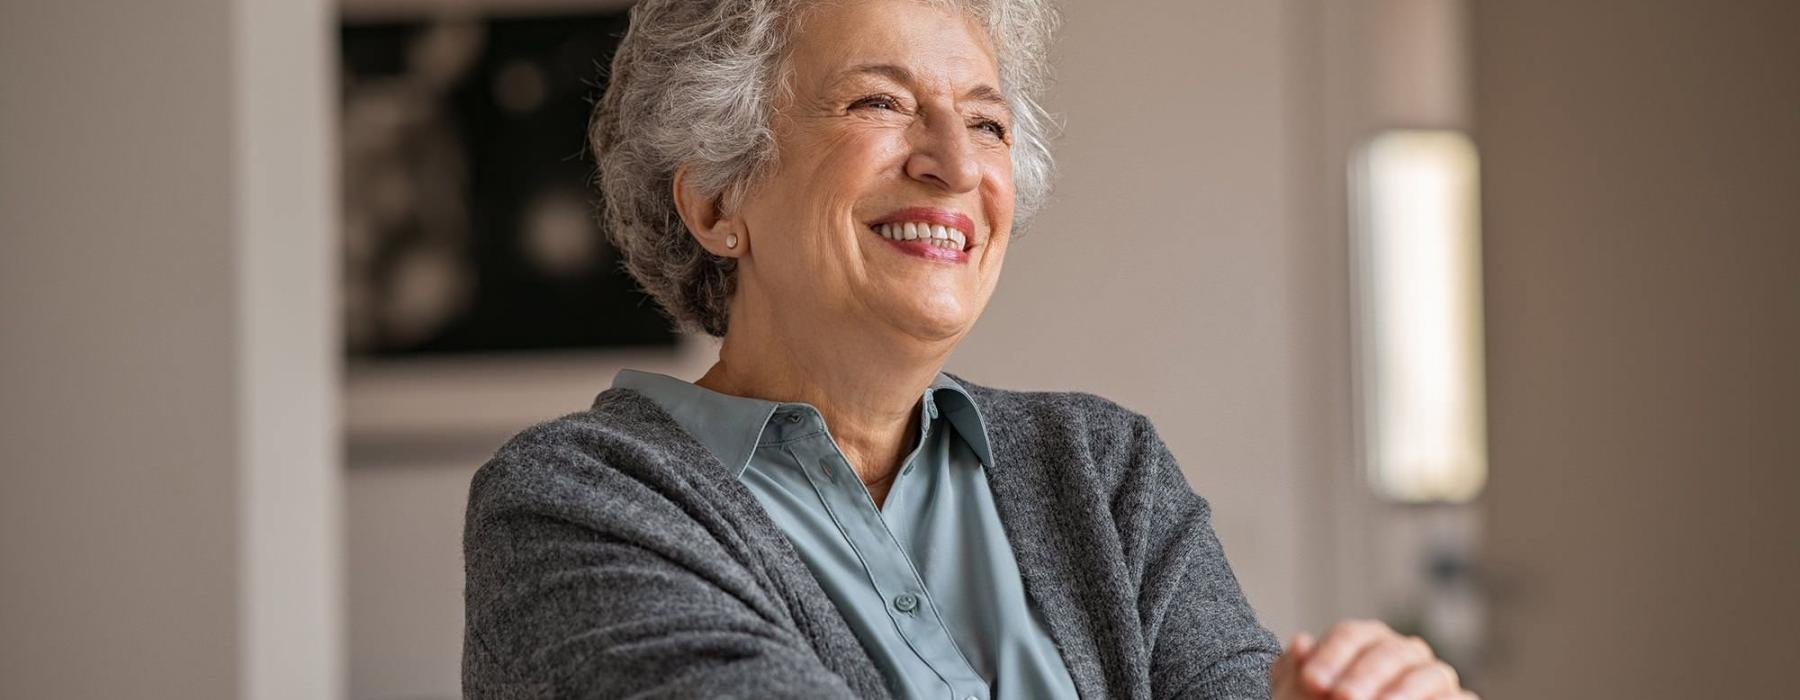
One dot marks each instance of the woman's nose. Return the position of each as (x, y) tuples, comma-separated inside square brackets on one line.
[(943, 153)]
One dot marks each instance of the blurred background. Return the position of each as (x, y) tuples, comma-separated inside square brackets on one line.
[(1486, 321)]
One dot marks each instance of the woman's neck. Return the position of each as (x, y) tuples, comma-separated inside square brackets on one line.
[(867, 389)]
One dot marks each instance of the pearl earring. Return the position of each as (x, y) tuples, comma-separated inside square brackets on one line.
[(731, 240)]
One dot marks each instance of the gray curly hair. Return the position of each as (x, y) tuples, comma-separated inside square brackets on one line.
[(693, 83)]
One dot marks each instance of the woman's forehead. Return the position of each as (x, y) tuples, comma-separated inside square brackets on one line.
[(905, 41), (895, 54)]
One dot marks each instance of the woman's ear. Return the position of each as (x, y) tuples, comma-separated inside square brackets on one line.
[(718, 234)]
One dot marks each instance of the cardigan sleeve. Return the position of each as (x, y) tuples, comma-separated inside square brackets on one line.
[(583, 583), (1203, 636)]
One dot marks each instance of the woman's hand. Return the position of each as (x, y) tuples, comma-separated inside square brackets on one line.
[(1363, 660)]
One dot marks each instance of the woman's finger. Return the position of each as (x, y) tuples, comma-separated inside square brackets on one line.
[(1303, 646), (1428, 680), (1341, 645), (1285, 674), (1379, 664)]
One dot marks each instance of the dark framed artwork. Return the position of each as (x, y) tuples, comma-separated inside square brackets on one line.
[(469, 211)]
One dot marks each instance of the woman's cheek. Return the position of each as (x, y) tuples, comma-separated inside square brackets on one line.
[(888, 150), (998, 185), (849, 144)]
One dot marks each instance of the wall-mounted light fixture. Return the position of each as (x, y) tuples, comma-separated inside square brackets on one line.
[(1416, 252)]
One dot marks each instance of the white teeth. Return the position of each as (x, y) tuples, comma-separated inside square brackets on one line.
[(941, 236)]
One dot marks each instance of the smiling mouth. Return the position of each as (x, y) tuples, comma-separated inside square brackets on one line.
[(935, 235)]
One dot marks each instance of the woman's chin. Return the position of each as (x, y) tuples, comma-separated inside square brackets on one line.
[(931, 321)]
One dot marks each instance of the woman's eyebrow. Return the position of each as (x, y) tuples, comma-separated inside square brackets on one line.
[(989, 94), (890, 71), (899, 74)]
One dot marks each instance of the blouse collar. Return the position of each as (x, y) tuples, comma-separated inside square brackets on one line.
[(731, 427)]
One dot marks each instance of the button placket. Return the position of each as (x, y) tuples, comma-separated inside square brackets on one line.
[(887, 565)]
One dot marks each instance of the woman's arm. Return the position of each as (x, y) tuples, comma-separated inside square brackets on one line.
[(1204, 638), (565, 599)]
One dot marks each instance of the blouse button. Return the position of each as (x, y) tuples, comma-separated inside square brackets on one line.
[(793, 417), (906, 602)]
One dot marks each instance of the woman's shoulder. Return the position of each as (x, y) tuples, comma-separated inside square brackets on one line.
[(1053, 410), (1042, 401), (1083, 435), (623, 441)]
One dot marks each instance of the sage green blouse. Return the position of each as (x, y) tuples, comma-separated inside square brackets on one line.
[(928, 581)]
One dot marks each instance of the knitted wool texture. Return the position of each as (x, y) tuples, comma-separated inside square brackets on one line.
[(609, 554)]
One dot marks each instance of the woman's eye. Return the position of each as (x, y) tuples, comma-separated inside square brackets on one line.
[(881, 101), (993, 127)]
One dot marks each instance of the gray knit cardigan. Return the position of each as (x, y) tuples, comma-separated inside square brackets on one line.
[(609, 554)]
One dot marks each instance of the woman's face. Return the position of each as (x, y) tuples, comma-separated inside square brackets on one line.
[(895, 118)]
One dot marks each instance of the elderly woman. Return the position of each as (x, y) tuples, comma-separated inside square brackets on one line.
[(830, 186)]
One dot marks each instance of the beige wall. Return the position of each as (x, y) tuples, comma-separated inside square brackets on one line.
[(1643, 259), (167, 524), (119, 540), (290, 444)]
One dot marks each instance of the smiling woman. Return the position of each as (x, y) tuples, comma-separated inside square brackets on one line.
[(831, 186)]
